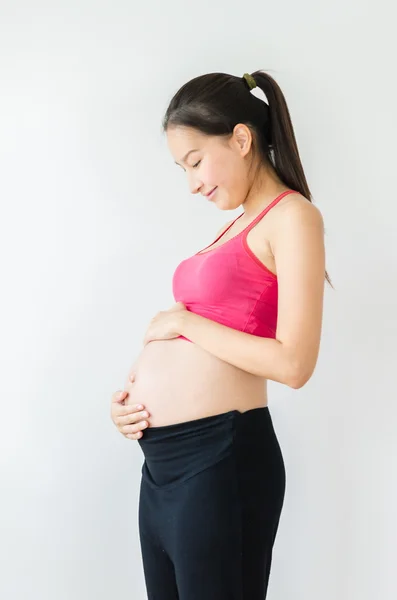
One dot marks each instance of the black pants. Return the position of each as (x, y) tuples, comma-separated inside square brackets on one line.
[(211, 495)]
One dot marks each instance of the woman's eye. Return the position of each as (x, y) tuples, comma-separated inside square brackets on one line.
[(193, 166)]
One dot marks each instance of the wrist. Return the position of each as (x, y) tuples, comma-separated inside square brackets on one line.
[(182, 317)]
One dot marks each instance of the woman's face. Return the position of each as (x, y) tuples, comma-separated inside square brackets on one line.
[(213, 162)]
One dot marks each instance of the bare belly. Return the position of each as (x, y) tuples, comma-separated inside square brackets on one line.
[(178, 381)]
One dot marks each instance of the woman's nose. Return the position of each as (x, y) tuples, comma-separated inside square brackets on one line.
[(194, 185), (195, 189)]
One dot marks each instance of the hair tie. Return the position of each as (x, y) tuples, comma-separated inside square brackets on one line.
[(250, 81)]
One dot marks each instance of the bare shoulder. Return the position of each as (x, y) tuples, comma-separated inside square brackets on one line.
[(293, 214), (295, 206)]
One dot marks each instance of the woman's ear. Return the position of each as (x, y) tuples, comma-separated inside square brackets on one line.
[(243, 138)]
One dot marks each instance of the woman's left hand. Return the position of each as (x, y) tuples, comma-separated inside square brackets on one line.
[(166, 324)]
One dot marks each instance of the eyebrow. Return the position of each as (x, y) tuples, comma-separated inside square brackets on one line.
[(186, 155)]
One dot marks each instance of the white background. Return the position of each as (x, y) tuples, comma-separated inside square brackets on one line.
[(94, 219)]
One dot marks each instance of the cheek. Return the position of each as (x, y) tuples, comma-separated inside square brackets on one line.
[(216, 174), (236, 176), (210, 175)]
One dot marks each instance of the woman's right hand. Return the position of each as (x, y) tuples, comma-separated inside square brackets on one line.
[(128, 418)]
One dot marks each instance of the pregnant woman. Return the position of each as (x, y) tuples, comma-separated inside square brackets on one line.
[(248, 308)]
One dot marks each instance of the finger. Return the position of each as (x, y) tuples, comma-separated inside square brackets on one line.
[(135, 428), (129, 409), (131, 419), (134, 436), (119, 396), (122, 418)]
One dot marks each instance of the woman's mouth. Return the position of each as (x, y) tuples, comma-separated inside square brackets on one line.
[(210, 196)]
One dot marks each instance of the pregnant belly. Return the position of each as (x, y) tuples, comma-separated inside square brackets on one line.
[(177, 381)]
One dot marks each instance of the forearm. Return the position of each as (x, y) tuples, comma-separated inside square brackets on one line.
[(266, 357)]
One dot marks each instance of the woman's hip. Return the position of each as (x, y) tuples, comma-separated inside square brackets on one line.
[(175, 453)]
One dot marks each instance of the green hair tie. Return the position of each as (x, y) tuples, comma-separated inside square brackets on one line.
[(250, 80)]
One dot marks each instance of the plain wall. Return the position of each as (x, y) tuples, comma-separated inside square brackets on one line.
[(94, 219)]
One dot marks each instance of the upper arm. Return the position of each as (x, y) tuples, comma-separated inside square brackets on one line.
[(299, 253)]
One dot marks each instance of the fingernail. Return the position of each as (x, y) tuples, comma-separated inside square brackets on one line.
[(139, 406)]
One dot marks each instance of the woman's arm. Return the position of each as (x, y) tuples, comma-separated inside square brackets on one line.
[(290, 358)]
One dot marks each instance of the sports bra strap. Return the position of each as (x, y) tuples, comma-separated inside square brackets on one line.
[(266, 210), (245, 231), (224, 231)]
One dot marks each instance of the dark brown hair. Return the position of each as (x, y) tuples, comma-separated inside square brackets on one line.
[(214, 103)]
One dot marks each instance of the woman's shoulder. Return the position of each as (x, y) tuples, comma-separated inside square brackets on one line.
[(294, 216), (294, 209), (297, 203)]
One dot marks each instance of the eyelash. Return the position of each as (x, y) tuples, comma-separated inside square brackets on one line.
[(194, 166)]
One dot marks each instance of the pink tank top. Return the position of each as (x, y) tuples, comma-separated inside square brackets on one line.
[(229, 284)]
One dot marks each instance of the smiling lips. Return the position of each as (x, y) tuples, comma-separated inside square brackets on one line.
[(211, 192)]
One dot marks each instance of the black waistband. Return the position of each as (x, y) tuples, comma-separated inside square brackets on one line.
[(175, 452)]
